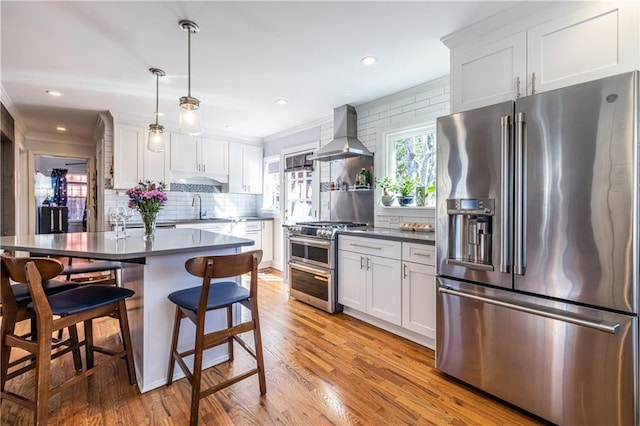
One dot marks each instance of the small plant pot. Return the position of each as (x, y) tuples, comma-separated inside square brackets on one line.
[(386, 199), (406, 201)]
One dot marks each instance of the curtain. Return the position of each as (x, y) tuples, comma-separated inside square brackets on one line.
[(59, 185)]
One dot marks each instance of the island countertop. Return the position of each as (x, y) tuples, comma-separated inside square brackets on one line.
[(103, 245)]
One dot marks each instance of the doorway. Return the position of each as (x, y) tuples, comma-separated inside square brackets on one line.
[(63, 182)]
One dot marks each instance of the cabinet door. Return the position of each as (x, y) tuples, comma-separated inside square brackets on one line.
[(215, 157), (252, 169), (128, 146), (352, 291), (245, 168), (156, 164), (184, 153), (594, 42), (267, 241), (419, 298), (488, 74), (384, 289)]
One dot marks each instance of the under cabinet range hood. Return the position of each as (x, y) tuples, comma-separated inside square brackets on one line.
[(345, 143)]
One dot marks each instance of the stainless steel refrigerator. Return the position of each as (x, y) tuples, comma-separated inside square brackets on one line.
[(537, 251)]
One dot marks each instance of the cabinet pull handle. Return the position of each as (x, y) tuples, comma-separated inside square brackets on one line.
[(204, 167), (533, 83), (405, 271), (422, 254), (517, 87), (361, 262), (365, 246), (368, 263)]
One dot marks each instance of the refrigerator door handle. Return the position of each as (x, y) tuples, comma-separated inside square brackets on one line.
[(505, 194), (520, 182), (604, 326)]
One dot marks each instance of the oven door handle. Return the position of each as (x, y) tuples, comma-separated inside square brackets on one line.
[(311, 270), (311, 242)]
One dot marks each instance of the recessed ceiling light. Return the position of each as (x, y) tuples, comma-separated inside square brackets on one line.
[(54, 93), (281, 101), (62, 129), (159, 114), (369, 60), (229, 127)]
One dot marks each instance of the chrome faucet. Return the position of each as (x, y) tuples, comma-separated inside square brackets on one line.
[(193, 203)]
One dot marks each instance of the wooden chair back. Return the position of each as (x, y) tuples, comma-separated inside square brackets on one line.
[(13, 269)]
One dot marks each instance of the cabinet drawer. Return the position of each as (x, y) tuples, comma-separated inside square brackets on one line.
[(371, 246), (419, 253)]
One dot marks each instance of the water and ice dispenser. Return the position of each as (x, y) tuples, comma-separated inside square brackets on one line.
[(470, 232)]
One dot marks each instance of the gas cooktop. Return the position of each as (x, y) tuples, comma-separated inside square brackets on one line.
[(322, 229)]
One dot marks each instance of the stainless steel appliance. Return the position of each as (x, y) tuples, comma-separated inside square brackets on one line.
[(53, 220), (537, 251), (312, 260)]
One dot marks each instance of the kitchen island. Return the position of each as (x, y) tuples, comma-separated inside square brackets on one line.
[(152, 269)]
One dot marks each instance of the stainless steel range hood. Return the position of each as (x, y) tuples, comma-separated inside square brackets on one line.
[(345, 143)]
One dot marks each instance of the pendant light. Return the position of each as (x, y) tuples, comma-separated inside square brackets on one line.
[(189, 106), (155, 141)]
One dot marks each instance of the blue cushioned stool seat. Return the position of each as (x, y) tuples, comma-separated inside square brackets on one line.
[(22, 295), (84, 298), (221, 294)]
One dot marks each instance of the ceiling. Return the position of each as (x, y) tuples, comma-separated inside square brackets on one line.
[(246, 55)]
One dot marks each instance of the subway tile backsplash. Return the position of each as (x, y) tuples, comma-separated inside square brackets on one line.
[(181, 205)]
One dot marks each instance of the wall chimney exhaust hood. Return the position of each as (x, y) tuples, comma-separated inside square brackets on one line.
[(345, 143)]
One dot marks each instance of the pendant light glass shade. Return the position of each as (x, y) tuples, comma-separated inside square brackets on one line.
[(155, 141), (189, 106)]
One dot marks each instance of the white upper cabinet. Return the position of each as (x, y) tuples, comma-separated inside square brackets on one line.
[(592, 43), (198, 156), (545, 53), (245, 168), (132, 162), (488, 74)]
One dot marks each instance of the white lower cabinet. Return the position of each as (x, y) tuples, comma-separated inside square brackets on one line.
[(368, 282), (267, 242), (391, 281)]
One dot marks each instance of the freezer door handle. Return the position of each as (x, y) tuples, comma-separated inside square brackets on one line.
[(505, 193), (605, 326), (521, 184)]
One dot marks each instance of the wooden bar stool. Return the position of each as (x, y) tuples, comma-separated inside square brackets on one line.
[(15, 297), (195, 302), (62, 310)]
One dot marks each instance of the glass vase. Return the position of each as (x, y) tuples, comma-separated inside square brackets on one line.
[(149, 222)]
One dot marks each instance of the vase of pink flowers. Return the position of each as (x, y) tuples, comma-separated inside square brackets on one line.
[(148, 198)]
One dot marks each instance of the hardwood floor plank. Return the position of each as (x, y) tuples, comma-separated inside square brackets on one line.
[(321, 370)]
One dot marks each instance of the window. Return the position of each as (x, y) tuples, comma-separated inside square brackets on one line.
[(300, 197), (271, 192), (412, 153)]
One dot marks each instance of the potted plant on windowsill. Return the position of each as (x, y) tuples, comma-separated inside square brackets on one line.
[(387, 185), (406, 187)]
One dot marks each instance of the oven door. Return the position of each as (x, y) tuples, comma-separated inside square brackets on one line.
[(312, 251), (312, 285)]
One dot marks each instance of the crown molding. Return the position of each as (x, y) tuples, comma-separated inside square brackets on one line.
[(18, 121)]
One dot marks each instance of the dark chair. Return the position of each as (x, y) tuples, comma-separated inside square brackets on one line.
[(114, 268), (194, 303), (62, 310), (15, 297)]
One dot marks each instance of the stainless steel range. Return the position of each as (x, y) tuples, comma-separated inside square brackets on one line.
[(312, 261)]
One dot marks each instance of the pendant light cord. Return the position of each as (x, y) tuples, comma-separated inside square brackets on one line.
[(189, 59), (157, 94)]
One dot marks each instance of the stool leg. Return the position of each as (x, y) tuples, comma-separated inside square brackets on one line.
[(257, 336), (197, 371), (174, 345), (126, 340), (43, 374), (73, 337), (229, 325), (7, 326), (88, 343)]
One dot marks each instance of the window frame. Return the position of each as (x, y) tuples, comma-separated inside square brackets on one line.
[(266, 161), (387, 140)]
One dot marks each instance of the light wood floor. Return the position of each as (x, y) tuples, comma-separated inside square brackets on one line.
[(321, 370)]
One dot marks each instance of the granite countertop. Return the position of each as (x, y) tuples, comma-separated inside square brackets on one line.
[(103, 245), (428, 238)]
